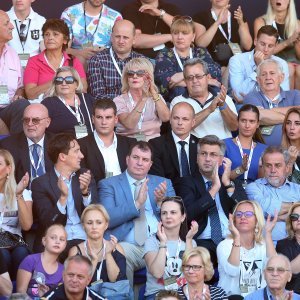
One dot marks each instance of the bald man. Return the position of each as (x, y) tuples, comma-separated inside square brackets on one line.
[(175, 153), (33, 140), (105, 68)]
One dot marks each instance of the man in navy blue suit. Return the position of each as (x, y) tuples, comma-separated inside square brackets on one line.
[(133, 200)]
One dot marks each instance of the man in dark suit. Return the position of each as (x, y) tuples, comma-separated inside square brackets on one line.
[(22, 146), (60, 195), (175, 153), (209, 198), (104, 151)]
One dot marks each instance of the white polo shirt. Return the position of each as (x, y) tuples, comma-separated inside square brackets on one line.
[(33, 31)]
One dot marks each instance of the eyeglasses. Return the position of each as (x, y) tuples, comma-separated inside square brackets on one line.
[(184, 18), (138, 73), (186, 268), (197, 76), (22, 33), (294, 217), (34, 121), (246, 214), (279, 270), (68, 80)]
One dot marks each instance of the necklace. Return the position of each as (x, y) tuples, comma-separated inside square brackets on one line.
[(86, 250)]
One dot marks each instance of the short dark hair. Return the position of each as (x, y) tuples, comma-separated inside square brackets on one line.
[(142, 145), (268, 30), (212, 140), (165, 293), (60, 143), (104, 104), (59, 26)]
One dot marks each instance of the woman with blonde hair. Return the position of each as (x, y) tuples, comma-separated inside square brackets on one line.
[(242, 255), (290, 246), (140, 108), (282, 16), (197, 269), (107, 256), (15, 214)]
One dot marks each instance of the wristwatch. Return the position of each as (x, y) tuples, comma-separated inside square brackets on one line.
[(231, 185), (238, 171), (162, 13)]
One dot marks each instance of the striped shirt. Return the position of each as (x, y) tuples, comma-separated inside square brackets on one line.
[(216, 293)]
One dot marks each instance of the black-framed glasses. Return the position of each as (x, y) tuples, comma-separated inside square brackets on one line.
[(197, 76), (294, 217), (246, 214), (34, 121), (184, 18), (68, 80), (279, 270), (22, 34), (138, 73), (186, 268)]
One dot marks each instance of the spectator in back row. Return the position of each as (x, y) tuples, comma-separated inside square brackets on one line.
[(105, 69)]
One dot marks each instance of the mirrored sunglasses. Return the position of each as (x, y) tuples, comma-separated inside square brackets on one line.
[(68, 80)]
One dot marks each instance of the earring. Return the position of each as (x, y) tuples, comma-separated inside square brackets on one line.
[(256, 230), (7, 176)]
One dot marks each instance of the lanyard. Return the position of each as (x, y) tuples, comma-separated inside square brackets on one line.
[(85, 32), (271, 102), (249, 158), (114, 61), (142, 114), (178, 58), (77, 112), (60, 65), (296, 167), (23, 42), (220, 26), (87, 111)]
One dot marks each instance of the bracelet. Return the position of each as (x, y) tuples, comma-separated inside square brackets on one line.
[(162, 13), (163, 246), (138, 111), (235, 245), (19, 196), (85, 195), (156, 99)]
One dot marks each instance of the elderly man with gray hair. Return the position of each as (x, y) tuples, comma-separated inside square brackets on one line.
[(271, 100), (277, 273), (274, 192)]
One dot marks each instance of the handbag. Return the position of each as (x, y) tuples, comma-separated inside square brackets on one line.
[(119, 290), (9, 240), (223, 52)]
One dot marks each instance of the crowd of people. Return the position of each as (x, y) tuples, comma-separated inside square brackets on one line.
[(146, 141)]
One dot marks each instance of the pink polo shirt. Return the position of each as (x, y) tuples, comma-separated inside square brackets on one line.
[(10, 70), (38, 71)]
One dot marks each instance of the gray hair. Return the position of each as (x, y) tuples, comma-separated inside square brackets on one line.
[(195, 61), (277, 149), (212, 140), (285, 258), (52, 90), (79, 259), (269, 61)]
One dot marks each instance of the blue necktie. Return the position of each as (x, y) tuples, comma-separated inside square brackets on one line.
[(35, 155), (215, 224), (185, 169)]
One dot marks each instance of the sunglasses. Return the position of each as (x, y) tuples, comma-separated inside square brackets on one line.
[(184, 18), (68, 80), (138, 73), (186, 268), (246, 214), (34, 121), (197, 76), (294, 217)]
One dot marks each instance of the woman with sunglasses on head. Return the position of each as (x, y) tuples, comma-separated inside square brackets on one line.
[(169, 62), (198, 268), (140, 109), (290, 246), (291, 141), (163, 251), (69, 108), (243, 254), (282, 15), (41, 68), (246, 149)]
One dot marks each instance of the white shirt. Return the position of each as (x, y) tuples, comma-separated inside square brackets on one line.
[(214, 123), (178, 148), (110, 155), (34, 32)]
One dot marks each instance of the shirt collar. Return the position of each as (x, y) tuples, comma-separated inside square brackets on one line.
[(15, 18), (40, 142), (64, 178), (177, 139), (119, 59), (132, 180), (265, 182), (97, 138)]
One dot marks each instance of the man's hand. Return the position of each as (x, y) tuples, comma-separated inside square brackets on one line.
[(62, 186), (85, 180), (160, 192), (88, 52), (227, 169), (142, 196), (258, 57)]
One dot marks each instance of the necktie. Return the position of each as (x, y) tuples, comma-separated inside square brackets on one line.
[(37, 170), (185, 169), (140, 224), (215, 224)]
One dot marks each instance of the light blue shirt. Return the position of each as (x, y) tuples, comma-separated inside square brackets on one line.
[(242, 73), (259, 294), (150, 215), (270, 198), (73, 227)]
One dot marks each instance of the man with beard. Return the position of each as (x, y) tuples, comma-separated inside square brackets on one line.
[(274, 192)]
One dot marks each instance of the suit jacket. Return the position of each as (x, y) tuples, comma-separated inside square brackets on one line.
[(165, 157), (17, 145), (198, 200), (45, 194), (115, 195), (93, 158)]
